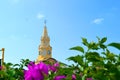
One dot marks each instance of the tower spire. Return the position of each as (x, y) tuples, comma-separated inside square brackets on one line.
[(45, 33), (44, 49)]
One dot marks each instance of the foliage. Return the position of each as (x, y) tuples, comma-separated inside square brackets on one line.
[(95, 62), (13, 71)]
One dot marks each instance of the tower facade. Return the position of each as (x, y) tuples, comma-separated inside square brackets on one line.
[(44, 49)]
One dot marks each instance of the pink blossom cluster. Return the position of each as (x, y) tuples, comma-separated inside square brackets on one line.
[(41, 70), (0, 67)]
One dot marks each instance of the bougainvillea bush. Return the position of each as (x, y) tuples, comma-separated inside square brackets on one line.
[(94, 62)]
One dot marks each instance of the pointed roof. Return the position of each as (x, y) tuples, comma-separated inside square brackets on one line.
[(45, 33)]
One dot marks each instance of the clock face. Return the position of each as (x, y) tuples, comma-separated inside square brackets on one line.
[(44, 52), (49, 52), (39, 52)]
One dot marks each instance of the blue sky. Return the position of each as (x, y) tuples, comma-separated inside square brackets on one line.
[(22, 21)]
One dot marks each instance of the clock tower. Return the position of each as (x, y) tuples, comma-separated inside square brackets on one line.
[(44, 49)]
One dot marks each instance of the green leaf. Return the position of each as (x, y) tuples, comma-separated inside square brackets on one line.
[(98, 38), (92, 56), (77, 59), (92, 45), (84, 41), (78, 48), (116, 45), (102, 46), (84, 76), (16, 65), (104, 40), (110, 56)]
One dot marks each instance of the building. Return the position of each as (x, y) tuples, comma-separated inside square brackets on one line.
[(2, 57), (44, 49)]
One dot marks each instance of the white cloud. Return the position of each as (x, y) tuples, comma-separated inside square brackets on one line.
[(14, 1), (98, 20), (40, 16)]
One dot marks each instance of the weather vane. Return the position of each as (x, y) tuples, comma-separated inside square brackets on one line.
[(45, 22)]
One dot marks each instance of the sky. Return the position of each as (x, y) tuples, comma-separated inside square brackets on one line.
[(22, 23)]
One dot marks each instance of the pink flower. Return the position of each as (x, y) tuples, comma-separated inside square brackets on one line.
[(36, 72), (89, 79), (0, 67), (60, 77), (73, 77), (43, 67), (54, 67), (56, 64)]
